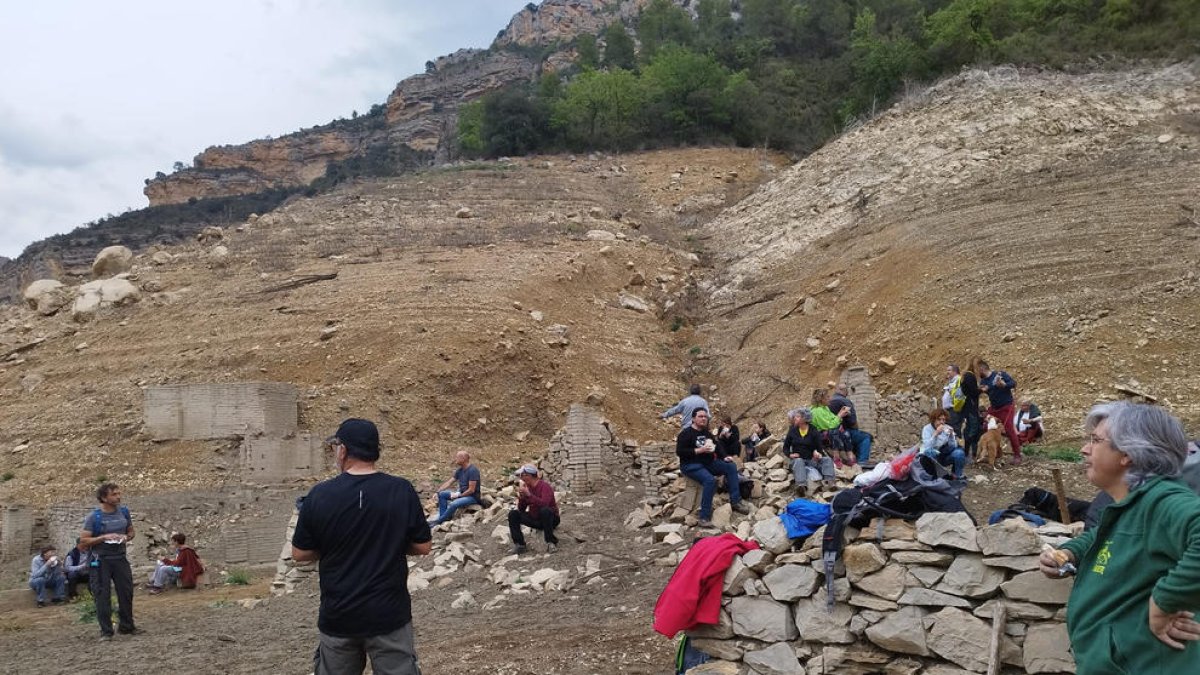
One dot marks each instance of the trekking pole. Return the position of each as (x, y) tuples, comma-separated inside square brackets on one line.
[(1059, 491)]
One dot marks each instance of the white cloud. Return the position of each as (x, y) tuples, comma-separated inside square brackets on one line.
[(108, 93)]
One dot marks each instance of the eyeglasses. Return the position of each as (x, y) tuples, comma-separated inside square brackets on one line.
[(1093, 439)]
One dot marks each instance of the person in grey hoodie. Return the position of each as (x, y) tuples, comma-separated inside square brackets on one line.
[(687, 407)]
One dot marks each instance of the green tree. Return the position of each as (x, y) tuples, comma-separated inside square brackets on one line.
[(600, 109), (588, 54), (662, 23), (514, 123), (470, 129), (686, 94), (619, 50), (823, 27), (880, 63)]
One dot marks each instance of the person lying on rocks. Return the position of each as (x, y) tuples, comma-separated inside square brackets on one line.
[(804, 446), (466, 477), (46, 574), (939, 442), (536, 508), (185, 567), (699, 460)]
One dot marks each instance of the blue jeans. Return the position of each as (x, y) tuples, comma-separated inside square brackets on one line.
[(447, 506), (705, 475), (861, 441), (952, 455), (56, 583)]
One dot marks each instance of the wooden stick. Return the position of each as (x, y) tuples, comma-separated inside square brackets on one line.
[(1061, 493), (999, 618)]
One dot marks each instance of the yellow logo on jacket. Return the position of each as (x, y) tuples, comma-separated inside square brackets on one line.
[(1102, 558)]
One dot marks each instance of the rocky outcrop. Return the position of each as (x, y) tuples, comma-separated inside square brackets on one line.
[(295, 159), (558, 21)]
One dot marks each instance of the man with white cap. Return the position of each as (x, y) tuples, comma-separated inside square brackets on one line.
[(536, 508)]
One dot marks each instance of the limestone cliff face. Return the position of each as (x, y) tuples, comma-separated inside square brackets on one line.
[(421, 112), (295, 159)]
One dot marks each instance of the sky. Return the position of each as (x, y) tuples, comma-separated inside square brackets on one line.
[(95, 97)]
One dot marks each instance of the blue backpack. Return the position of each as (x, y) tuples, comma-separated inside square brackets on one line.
[(96, 515)]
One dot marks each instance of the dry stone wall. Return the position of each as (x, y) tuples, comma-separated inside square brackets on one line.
[(907, 598), (201, 411), (585, 453)]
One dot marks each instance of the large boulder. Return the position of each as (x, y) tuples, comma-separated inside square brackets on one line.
[(96, 295), (112, 261), (47, 296)]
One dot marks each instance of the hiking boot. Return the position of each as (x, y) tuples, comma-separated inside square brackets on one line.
[(106, 637), (517, 549), (155, 590), (743, 508), (130, 631), (57, 601), (41, 603), (704, 522), (551, 548)]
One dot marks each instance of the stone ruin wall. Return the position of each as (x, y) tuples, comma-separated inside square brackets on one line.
[(586, 453), (908, 599)]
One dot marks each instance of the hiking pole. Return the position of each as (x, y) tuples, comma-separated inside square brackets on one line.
[(1059, 491)]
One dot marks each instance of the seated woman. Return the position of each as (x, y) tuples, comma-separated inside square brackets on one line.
[(760, 434), (729, 439), (185, 567), (804, 447), (838, 441), (939, 442), (1137, 574), (1028, 422)]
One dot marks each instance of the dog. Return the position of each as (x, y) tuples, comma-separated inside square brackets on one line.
[(992, 442)]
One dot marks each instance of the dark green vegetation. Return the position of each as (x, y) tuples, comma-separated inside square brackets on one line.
[(789, 73)]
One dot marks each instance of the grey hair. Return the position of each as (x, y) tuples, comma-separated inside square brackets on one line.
[(1149, 436), (803, 413)]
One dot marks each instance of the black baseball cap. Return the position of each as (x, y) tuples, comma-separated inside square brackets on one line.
[(360, 437)]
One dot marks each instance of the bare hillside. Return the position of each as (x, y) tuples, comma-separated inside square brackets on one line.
[(1046, 221), (451, 331)]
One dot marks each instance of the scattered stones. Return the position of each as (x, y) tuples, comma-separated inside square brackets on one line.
[(631, 301), (464, 212)]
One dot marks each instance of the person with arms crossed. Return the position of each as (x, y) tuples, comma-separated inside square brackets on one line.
[(361, 525)]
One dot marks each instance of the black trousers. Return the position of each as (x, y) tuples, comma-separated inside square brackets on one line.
[(546, 522), (113, 572), (76, 578)]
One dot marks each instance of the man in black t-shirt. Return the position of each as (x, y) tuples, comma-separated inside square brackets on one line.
[(698, 460), (361, 525)]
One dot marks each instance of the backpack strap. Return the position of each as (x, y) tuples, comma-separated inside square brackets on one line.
[(96, 522)]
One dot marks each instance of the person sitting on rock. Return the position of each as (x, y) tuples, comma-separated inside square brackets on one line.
[(837, 441), (185, 567), (760, 434), (46, 574), (939, 442), (805, 447), (79, 569), (687, 407), (843, 407), (466, 475), (536, 508), (698, 460), (1028, 422), (729, 439)]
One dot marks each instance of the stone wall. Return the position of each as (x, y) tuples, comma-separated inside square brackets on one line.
[(907, 599), (585, 453), (864, 397), (901, 418), (266, 459), (202, 411)]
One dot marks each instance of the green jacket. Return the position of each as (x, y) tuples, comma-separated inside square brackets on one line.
[(1146, 544), (824, 419)]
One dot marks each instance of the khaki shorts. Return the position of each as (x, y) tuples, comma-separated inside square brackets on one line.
[(391, 654)]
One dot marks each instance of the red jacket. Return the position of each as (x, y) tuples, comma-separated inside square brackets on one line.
[(190, 562), (693, 595)]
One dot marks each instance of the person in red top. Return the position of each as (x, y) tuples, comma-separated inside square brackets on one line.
[(185, 567), (536, 508)]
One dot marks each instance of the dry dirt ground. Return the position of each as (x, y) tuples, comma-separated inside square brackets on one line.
[(1072, 267)]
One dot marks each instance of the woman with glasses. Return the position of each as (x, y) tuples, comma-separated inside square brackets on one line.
[(1137, 582)]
